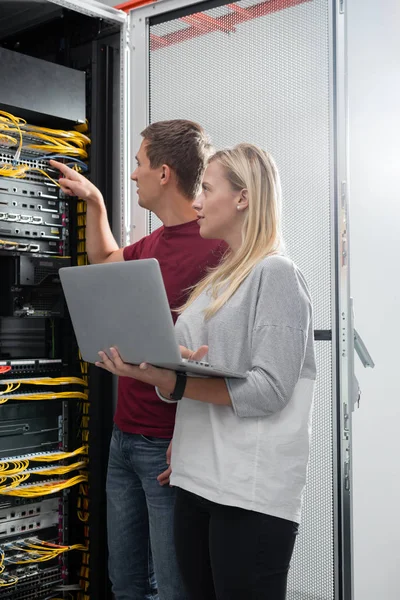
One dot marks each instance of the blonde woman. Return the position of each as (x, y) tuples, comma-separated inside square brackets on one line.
[(240, 447)]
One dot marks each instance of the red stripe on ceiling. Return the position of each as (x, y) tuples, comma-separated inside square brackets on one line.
[(201, 24)]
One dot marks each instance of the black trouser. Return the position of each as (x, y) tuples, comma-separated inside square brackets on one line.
[(228, 553)]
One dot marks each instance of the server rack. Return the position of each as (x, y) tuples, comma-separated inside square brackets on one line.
[(63, 65)]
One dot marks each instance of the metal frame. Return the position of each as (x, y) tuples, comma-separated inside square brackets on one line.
[(334, 309), (139, 107), (344, 345), (92, 8), (124, 133)]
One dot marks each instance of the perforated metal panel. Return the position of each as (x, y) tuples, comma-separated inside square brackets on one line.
[(266, 82), (259, 72), (311, 575)]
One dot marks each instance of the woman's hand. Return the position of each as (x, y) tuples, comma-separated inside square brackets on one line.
[(164, 379), (198, 354)]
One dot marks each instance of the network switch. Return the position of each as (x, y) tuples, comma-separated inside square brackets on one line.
[(19, 227), (38, 367), (18, 520), (33, 583)]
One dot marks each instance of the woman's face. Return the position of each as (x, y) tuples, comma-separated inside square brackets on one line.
[(217, 205)]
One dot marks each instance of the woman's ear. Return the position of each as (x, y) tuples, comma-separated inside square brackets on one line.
[(244, 199)]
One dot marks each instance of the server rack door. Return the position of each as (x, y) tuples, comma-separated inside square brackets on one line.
[(273, 73)]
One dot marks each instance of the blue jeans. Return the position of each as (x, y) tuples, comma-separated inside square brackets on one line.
[(140, 515)]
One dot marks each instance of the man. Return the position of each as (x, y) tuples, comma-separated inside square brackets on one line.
[(170, 165)]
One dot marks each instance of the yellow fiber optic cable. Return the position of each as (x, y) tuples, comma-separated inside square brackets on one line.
[(44, 489), (16, 480), (7, 140), (54, 381), (18, 466), (45, 396), (59, 455), (8, 583), (20, 171), (62, 470)]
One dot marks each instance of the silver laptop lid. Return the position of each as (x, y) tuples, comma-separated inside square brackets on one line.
[(105, 302)]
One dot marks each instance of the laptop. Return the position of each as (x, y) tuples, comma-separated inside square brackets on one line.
[(125, 305)]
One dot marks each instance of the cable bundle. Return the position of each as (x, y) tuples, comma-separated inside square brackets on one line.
[(84, 491), (16, 471), (19, 171), (50, 456), (15, 131), (44, 396), (34, 550), (7, 580), (34, 490), (50, 381), (52, 143), (16, 480), (27, 551), (18, 465), (13, 385)]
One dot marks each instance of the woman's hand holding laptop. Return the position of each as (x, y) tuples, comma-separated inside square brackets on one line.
[(163, 379)]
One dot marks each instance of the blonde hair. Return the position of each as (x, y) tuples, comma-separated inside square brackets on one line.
[(246, 167)]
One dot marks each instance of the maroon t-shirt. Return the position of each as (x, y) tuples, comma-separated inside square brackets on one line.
[(184, 257)]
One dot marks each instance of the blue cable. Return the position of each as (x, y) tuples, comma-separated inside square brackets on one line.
[(71, 160)]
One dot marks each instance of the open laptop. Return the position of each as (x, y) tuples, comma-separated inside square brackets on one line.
[(125, 305)]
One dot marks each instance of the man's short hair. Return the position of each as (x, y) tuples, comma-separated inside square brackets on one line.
[(182, 145)]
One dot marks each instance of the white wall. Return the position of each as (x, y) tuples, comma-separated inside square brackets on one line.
[(374, 94)]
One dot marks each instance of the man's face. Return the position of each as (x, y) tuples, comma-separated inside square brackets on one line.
[(147, 179)]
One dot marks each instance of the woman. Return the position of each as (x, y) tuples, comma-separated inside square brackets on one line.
[(240, 446)]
